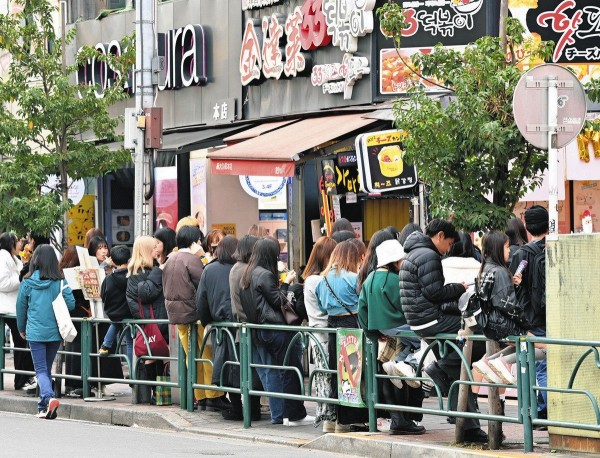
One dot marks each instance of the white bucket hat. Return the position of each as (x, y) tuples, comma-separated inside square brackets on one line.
[(389, 251)]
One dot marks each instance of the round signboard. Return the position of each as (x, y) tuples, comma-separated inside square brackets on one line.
[(530, 105), (76, 188), (262, 186)]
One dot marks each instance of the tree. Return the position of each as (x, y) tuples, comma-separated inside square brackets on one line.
[(44, 116), (466, 146)]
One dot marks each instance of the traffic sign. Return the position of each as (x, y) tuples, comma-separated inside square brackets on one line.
[(531, 105)]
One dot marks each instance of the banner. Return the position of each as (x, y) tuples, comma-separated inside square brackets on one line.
[(350, 366)]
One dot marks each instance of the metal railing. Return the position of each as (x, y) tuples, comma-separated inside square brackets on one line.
[(239, 337)]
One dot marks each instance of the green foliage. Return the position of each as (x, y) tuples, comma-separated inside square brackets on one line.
[(466, 145), (43, 116)]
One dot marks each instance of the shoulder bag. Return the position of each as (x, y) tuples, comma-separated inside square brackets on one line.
[(288, 311), (156, 342), (63, 318)]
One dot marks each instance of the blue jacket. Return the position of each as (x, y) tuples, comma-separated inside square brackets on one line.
[(344, 287), (35, 315)]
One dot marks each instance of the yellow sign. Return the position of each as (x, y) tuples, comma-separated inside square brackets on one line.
[(81, 220), (228, 228)]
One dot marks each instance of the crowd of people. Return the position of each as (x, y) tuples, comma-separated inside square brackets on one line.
[(403, 280)]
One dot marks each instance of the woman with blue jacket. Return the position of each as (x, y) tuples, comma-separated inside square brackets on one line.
[(36, 321)]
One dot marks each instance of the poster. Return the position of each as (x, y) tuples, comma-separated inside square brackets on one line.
[(90, 283), (198, 167), (165, 197), (586, 203), (122, 226), (381, 163), (81, 220), (227, 228), (350, 366)]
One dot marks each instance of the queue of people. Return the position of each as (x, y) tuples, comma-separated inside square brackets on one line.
[(404, 280)]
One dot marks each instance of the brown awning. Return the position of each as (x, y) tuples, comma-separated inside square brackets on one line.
[(257, 130), (287, 143)]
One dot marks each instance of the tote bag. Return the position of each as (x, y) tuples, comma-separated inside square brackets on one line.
[(63, 318), (156, 341)]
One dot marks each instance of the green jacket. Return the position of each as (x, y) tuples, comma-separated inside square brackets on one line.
[(379, 302)]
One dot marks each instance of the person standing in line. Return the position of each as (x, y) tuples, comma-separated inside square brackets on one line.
[(318, 260), (338, 298), (10, 266), (213, 304), (98, 248), (165, 244), (517, 234), (423, 296), (261, 299), (37, 323)]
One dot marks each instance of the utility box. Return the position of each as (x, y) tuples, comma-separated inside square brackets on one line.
[(153, 138), (130, 128), (572, 312)]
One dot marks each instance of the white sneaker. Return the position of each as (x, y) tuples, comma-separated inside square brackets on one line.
[(308, 420), (405, 370), (383, 424), (390, 369), (428, 384), (31, 384), (502, 370), (486, 372), (42, 414), (328, 426)]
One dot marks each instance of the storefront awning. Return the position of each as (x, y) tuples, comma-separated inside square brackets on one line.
[(187, 141), (280, 148), (257, 130)]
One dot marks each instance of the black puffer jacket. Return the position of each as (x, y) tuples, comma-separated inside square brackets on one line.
[(262, 300), (422, 289), (504, 315), (147, 285), (113, 291)]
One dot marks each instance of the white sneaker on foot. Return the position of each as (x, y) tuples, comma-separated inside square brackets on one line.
[(405, 370), (42, 414), (31, 384), (486, 372), (308, 420), (502, 370), (390, 369)]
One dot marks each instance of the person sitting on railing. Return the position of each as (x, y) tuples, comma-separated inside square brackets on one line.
[(338, 298), (422, 294), (261, 299), (380, 314), (318, 260), (213, 303)]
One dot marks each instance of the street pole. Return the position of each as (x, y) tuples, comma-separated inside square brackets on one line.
[(144, 98), (552, 158)]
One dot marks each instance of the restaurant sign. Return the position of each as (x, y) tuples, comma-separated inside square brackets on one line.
[(381, 165)]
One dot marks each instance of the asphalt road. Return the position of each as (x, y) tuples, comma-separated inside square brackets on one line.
[(28, 436)]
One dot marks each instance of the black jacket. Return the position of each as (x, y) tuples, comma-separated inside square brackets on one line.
[(113, 294), (262, 300), (422, 289), (147, 285), (536, 318), (213, 300)]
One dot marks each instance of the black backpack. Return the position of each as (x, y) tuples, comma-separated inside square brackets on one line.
[(536, 277)]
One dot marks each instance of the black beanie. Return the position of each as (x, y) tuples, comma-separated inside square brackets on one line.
[(536, 215)]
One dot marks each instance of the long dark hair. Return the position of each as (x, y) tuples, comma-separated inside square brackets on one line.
[(493, 250), (44, 259), (168, 238), (515, 229), (244, 248), (225, 249), (370, 262), (265, 254), (462, 248), (8, 242)]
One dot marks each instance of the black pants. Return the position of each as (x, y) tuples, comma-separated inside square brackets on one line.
[(446, 370), (22, 359), (406, 396), (345, 415)]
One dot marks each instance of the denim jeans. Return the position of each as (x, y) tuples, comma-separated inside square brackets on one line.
[(541, 374), (111, 335), (43, 354), (411, 344), (276, 344), (271, 379)]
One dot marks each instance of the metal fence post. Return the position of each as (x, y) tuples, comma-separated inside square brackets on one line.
[(2, 352), (86, 359), (182, 376), (191, 365), (371, 379), (524, 390), (245, 373)]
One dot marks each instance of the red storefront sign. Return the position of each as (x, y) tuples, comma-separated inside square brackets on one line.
[(251, 168)]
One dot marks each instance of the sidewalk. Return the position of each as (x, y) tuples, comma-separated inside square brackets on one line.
[(436, 442)]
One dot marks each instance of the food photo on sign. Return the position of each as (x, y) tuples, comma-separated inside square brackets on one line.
[(381, 163)]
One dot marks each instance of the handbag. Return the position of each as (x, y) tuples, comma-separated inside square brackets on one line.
[(340, 302), (163, 393), (63, 318), (288, 311), (157, 343)]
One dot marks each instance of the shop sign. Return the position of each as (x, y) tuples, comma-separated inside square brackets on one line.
[(346, 179), (339, 78), (220, 111), (252, 168), (314, 26), (256, 186), (346, 159), (227, 228), (347, 20), (261, 55), (329, 177), (381, 164), (573, 25), (252, 4), (183, 51)]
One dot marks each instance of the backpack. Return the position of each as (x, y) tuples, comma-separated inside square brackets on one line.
[(536, 277), (475, 304)]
